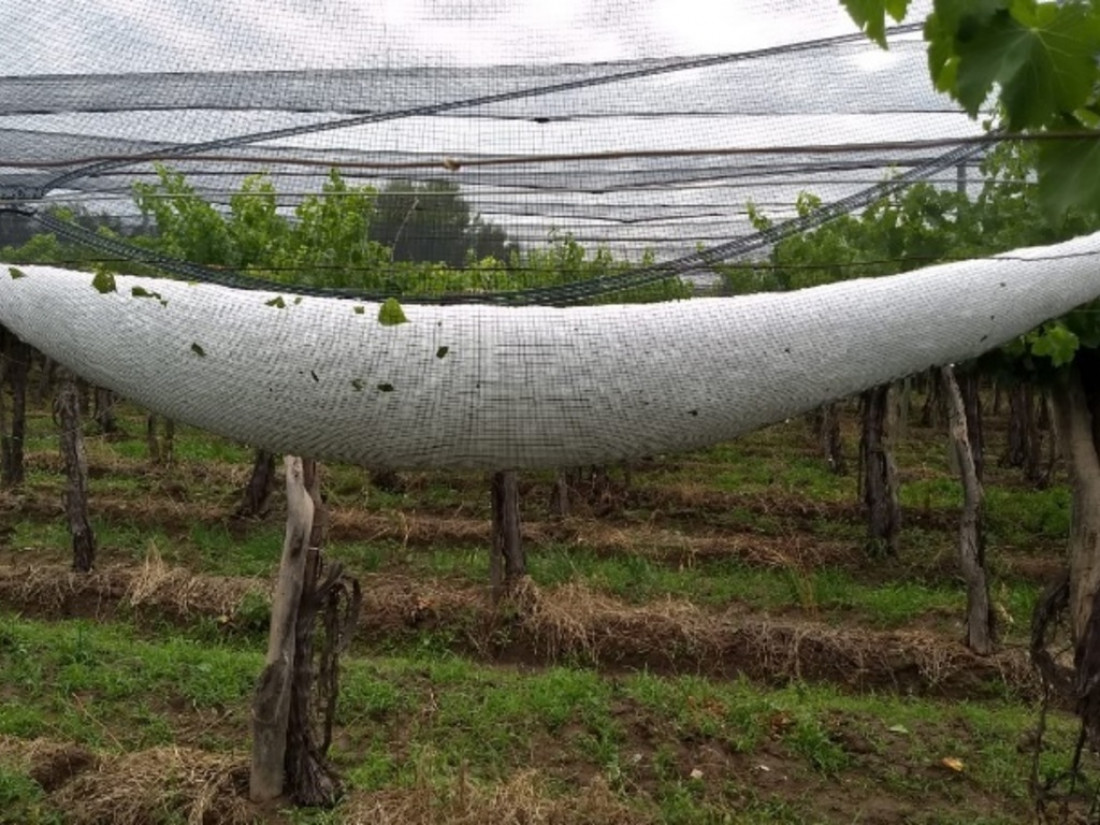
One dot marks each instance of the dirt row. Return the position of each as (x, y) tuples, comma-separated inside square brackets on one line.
[(662, 544), (569, 624)]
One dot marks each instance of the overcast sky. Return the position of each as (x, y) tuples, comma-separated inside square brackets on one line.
[(106, 36), (806, 102)]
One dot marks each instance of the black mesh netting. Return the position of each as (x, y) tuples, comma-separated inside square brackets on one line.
[(642, 131)]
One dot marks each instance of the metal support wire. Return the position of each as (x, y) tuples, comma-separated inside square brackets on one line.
[(561, 295), (676, 65)]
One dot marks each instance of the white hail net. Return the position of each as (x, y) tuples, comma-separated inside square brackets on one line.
[(476, 386), (642, 128)]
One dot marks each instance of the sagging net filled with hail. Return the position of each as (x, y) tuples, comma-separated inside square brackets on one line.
[(496, 235)]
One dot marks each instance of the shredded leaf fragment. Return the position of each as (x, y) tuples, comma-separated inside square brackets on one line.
[(142, 292), (390, 314), (104, 282)]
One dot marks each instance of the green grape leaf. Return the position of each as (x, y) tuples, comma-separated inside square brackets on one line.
[(199, 351), (1043, 59), (276, 302), (358, 310), (16, 273), (385, 387), (964, 17), (390, 314), (442, 352), (1069, 176), (870, 16), (104, 282), (1055, 342), (943, 63), (951, 20)]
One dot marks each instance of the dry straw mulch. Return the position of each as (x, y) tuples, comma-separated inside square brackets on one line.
[(522, 800), (575, 622), (165, 784), (175, 784), (570, 623), (54, 589)]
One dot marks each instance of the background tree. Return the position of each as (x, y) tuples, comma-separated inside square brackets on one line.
[(432, 222)]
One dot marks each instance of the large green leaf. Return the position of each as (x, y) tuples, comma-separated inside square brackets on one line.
[(943, 62), (1069, 176), (1043, 56), (963, 17), (950, 23), (870, 15)]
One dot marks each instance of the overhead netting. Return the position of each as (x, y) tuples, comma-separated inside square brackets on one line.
[(479, 233)]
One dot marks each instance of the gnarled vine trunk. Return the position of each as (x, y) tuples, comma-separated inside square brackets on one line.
[(271, 703), (161, 442), (1076, 405), (17, 356), (311, 780), (507, 562), (825, 423), (932, 411), (45, 379), (76, 473), (969, 385), (261, 483), (288, 753), (979, 611), (105, 417), (591, 487), (879, 477), (1025, 437), (559, 496)]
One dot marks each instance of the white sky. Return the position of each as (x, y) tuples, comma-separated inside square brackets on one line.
[(124, 36), (105, 36)]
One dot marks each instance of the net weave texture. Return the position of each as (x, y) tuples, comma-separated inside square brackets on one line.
[(644, 139), (476, 386)]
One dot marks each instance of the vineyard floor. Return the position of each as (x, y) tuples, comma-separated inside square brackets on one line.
[(702, 639)]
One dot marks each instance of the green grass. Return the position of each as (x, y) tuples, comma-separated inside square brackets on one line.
[(1019, 517), (830, 593), (722, 583), (100, 685), (407, 720), (22, 801), (422, 715)]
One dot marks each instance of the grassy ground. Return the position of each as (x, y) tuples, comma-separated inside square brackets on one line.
[(704, 641)]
